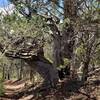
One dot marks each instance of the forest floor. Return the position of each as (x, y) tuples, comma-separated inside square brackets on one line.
[(66, 90)]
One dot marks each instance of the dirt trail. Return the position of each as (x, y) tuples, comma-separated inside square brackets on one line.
[(14, 88), (24, 90)]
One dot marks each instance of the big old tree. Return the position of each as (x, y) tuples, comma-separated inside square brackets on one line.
[(78, 35)]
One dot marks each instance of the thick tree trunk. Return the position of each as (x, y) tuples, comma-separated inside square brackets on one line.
[(70, 10), (47, 71), (57, 56), (68, 42)]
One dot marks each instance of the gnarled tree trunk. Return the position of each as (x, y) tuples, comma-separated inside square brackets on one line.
[(36, 62), (46, 70)]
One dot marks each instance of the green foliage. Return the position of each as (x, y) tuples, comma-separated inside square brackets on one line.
[(91, 11), (66, 62), (80, 50), (21, 26), (65, 23)]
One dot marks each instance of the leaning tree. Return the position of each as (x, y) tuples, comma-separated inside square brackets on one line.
[(31, 51)]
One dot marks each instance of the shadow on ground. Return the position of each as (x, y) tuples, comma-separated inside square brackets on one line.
[(71, 90)]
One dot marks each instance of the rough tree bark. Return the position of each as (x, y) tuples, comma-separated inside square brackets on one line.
[(70, 12), (47, 71), (57, 55)]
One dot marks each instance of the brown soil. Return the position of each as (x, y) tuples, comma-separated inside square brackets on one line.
[(66, 90)]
